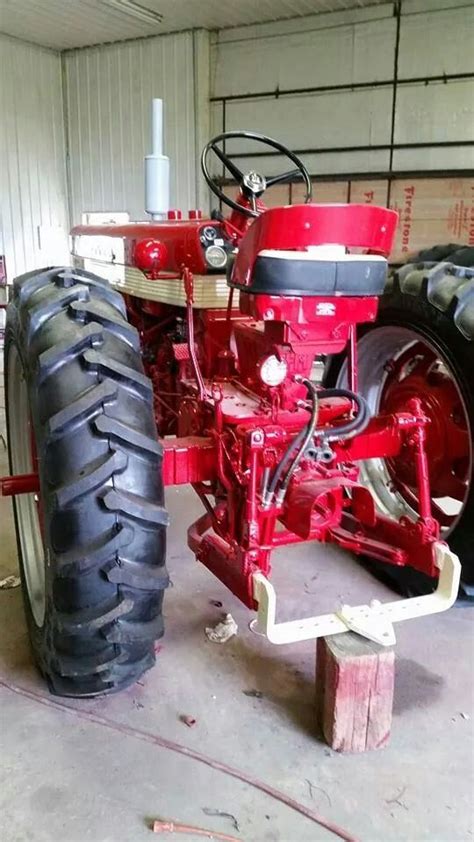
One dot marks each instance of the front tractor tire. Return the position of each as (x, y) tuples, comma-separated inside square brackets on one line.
[(422, 345), (91, 543)]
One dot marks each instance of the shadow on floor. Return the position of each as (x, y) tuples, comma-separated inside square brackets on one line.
[(280, 683), (415, 686)]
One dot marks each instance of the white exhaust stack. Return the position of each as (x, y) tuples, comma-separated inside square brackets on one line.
[(157, 169)]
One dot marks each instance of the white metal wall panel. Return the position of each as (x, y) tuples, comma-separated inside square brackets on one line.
[(341, 49), (109, 92), (437, 42), (33, 204), (319, 163), (425, 159), (310, 121), (440, 112), (335, 55), (331, 50), (323, 20)]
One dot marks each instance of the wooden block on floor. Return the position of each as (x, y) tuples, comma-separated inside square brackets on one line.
[(354, 692)]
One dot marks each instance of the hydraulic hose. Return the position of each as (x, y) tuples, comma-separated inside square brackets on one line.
[(301, 441), (308, 436), (305, 433), (279, 468), (356, 425)]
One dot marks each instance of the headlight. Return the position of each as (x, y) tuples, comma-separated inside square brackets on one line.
[(272, 371), (216, 257)]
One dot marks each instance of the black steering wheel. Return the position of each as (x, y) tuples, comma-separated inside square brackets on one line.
[(252, 183)]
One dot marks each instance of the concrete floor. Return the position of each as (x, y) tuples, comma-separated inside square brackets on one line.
[(70, 779)]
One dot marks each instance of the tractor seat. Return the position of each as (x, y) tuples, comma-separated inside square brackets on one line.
[(311, 250), (314, 272)]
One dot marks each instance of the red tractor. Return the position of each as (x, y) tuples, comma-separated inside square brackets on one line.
[(194, 377)]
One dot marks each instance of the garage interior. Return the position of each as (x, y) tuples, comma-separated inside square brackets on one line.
[(377, 99)]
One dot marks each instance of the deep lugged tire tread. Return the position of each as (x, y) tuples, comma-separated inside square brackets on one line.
[(45, 310), (92, 401), (61, 353), (127, 436), (89, 664), (89, 312), (128, 632), (104, 612), (82, 559), (95, 476), (447, 287), (90, 619), (123, 373), (135, 575), (137, 508)]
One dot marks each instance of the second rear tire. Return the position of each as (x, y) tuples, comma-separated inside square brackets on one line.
[(431, 303)]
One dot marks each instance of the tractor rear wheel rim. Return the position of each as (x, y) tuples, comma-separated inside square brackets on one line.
[(385, 380), (26, 505)]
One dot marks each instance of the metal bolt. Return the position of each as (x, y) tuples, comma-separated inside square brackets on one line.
[(257, 437)]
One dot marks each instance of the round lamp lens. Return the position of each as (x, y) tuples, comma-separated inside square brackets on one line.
[(273, 371), (216, 257)]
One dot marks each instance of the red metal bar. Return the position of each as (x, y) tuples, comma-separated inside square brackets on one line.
[(382, 438), (233, 568), (20, 484), (421, 462), (188, 286), (418, 442), (283, 538), (251, 507), (229, 304), (189, 459), (353, 358)]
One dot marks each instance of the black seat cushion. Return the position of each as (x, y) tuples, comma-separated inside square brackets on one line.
[(293, 275)]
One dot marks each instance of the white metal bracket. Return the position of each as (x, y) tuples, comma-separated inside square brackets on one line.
[(374, 621)]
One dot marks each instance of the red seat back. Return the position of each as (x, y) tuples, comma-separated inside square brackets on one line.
[(295, 227)]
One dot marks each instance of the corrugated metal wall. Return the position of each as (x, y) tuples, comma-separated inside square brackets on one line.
[(108, 92), (33, 204), (352, 48)]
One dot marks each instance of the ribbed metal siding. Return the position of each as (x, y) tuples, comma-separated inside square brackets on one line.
[(33, 206), (108, 92)]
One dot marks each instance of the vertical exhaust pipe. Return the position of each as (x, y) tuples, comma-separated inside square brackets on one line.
[(157, 169)]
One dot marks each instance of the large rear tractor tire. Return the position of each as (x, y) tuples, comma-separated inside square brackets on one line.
[(422, 345), (91, 543)]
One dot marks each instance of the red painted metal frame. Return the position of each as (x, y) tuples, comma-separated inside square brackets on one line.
[(251, 424), (316, 507), (188, 460), (20, 484), (233, 429)]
